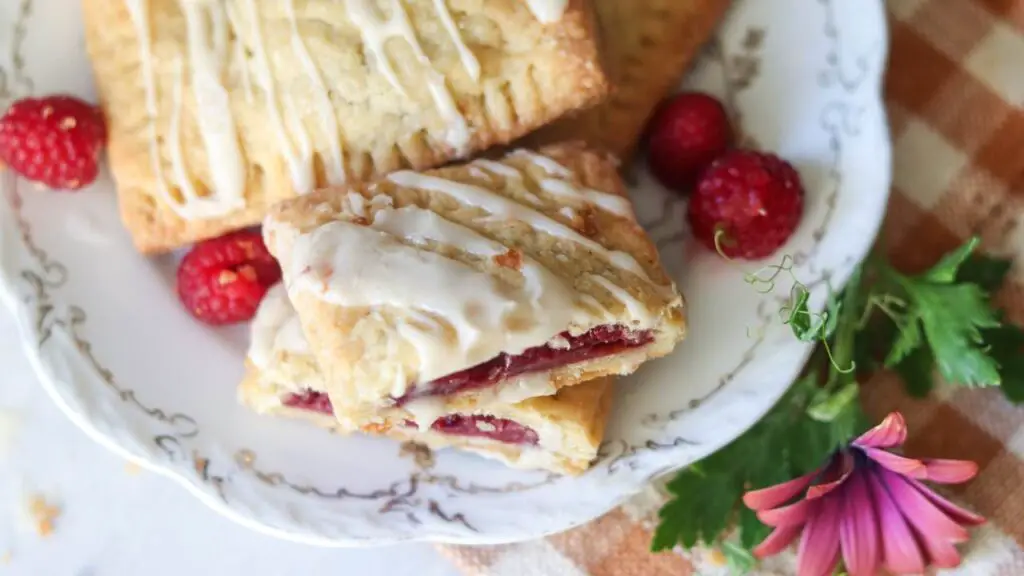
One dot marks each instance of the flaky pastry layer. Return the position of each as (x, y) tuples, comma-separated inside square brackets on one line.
[(217, 110)]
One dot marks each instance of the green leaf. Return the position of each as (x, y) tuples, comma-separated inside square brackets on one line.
[(810, 446), (985, 271), (674, 525), (1006, 346), (952, 317), (917, 372), (738, 558), (716, 507), (907, 340), (945, 271), (752, 531), (800, 319)]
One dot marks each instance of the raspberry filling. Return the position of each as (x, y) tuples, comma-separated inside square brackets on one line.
[(312, 401), (497, 429), (597, 343)]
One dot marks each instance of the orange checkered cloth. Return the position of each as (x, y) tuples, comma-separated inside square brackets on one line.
[(955, 91)]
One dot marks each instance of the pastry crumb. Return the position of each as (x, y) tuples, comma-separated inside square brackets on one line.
[(6, 557), (43, 515), (132, 469), (420, 454)]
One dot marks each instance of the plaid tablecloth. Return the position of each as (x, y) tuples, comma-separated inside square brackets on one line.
[(955, 91)]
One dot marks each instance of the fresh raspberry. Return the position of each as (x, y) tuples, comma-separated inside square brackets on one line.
[(222, 281), (55, 140), (752, 201), (686, 135)]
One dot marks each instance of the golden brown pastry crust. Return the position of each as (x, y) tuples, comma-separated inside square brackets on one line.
[(647, 48), (531, 74), (358, 348)]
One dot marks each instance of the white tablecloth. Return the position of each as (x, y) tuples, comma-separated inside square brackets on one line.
[(118, 521)]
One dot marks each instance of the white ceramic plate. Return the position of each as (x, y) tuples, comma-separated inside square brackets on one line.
[(114, 349)]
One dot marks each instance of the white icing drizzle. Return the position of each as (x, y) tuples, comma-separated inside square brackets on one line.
[(139, 12), (500, 206), (213, 107), (568, 212), (547, 11), (376, 32), (608, 202), (509, 173), (597, 308), (181, 177), (243, 66), (498, 168), (275, 329), (213, 115), (367, 266), (469, 61), (303, 143), (636, 309), (301, 172), (542, 162), (325, 110)]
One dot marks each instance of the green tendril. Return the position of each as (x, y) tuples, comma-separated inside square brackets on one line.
[(807, 326)]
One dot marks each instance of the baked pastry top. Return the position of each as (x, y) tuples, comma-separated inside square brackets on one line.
[(492, 281), (219, 108)]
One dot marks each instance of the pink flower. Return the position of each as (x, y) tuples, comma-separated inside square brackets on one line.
[(870, 505)]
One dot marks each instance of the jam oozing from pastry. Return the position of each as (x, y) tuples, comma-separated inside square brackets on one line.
[(497, 429), (312, 401), (597, 343)]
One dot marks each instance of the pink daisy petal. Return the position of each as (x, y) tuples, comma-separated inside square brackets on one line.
[(837, 471), (819, 548), (900, 552), (890, 433), (790, 515), (956, 513), (896, 463), (940, 554), (950, 471), (775, 496), (858, 528), (930, 521), (777, 541)]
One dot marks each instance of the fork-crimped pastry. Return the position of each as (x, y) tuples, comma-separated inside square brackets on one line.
[(559, 433), (219, 108), (489, 282)]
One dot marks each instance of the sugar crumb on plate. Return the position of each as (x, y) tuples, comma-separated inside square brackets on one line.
[(42, 514)]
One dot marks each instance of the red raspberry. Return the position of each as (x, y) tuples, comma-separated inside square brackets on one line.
[(55, 140), (222, 281), (686, 135), (753, 201)]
